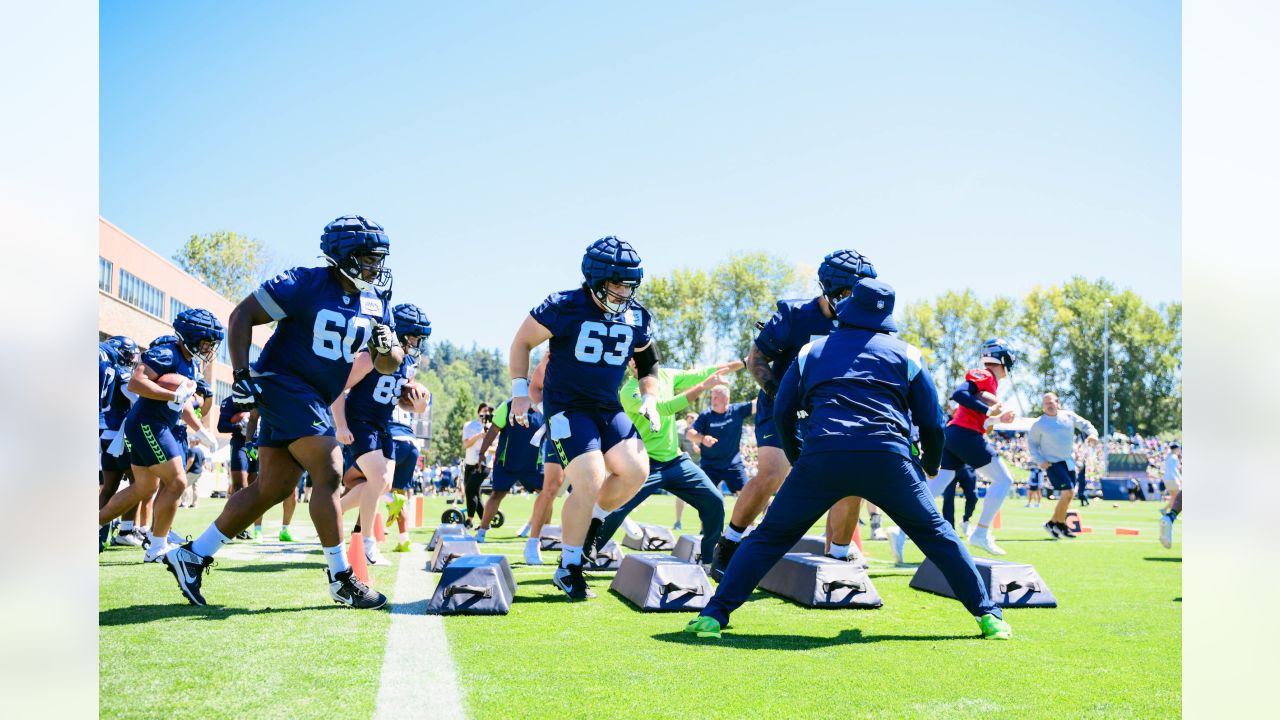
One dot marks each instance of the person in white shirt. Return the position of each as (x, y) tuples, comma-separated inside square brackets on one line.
[(1051, 442), (1173, 485), (473, 472)]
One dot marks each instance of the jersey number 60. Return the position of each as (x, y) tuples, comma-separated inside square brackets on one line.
[(328, 341), (591, 337)]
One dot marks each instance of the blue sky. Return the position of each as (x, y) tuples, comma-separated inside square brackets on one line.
[(984, 145)]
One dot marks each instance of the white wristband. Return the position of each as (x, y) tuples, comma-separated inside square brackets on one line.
[(519, 387)]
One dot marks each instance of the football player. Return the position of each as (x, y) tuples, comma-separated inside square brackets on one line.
[(967, 444), (518, 459), (593, 331), (154, 445), (121, 353), (796, 323), (324, 316), (363, 414)]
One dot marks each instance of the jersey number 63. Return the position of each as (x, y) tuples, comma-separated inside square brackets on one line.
[(591, 343)]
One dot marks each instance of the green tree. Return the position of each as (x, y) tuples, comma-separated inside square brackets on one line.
[(226, 261), (745, 291), (682, 310), (448, 441), (1044, 323)]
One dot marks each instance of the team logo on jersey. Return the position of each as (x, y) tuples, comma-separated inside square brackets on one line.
[(633, 318), (370, 306)]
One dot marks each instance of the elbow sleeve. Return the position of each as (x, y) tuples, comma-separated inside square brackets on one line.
[(647, 361)]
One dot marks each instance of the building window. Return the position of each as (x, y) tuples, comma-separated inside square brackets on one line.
[(141, 294), (176, 306), (221, 391), (105, 267)]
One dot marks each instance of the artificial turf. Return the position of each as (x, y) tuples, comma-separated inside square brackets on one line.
[(275, 646)]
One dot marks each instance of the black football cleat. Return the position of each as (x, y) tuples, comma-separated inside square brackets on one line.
[(571, 581), (346, 589), (724, 553), (188, 568)]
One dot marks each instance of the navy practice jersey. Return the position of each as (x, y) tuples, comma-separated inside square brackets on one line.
[(320, 327), (226, 411), (796, 323), (373, 398), (162, 360), (120, 400), (106, 382), (197, 460), (726, 428), (589, 350), (514, 451), (862, 390)]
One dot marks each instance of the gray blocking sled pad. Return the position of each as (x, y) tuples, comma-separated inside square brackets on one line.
[(814, 544), (818, 581), (608, 558), (654, 538), (549, 538), (689, 548), (1010, 584), (475, 584), (446, 529), (450, 548), (662, 583)]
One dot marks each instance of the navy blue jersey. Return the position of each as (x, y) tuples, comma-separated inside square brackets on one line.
[(589, 350), (401, 425), (226, 411), (726, 428), (162, 360), (514, 451), (106, 384), (120, 399), (320, 328), (373, 398), (796, 323), (862, 390), (197, 460)]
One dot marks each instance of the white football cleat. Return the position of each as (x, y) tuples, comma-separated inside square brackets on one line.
[(897, 542), (524, 531), (375, 557), (632, 529), (532, 552), (965, 528), (981, 538), (1166, 531), (154, 551)]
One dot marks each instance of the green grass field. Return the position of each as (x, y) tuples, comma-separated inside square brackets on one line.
[(272, 644)]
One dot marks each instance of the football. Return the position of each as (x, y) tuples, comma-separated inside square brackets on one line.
[(173, 381), (410, 394)]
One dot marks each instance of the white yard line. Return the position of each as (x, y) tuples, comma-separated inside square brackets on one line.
[(418, 678)]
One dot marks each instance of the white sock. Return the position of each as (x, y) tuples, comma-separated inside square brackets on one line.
[(157, 541), (370, 544), (599, 513), (532, 542), (126, 526), (839, 551), (732, 535), (570, 555), (284, 528), (337, 560), (143, 529), (209, 542), (257, 527), (404, 537)]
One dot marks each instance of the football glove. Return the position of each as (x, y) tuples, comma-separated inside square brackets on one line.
[(182, 396), (649, 411), (382, 340), (243, 393)]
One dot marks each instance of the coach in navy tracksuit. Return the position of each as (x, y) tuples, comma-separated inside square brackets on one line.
[(859, 386)]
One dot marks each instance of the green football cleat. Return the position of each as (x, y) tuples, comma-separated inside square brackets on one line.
[(993, 628), (394, 507), (704, 627), (257, 533), (402, 547), (285, 536)]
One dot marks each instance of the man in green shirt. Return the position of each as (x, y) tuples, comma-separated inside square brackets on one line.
[(669, 468)]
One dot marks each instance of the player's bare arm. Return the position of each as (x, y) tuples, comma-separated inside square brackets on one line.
[(143, 383), (758, 366), (530, 335), (489, 436)]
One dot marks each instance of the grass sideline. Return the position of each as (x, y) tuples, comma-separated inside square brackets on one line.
[(274, 645)]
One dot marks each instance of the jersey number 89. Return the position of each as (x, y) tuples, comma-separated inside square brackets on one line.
[(591, 343), (328, 341), (388, 389)]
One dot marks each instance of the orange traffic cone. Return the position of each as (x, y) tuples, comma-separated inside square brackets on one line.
[(379, 534), (995, 524), (417, 512), (1126, 531), (355, 556)]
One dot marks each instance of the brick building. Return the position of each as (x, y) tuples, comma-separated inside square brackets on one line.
[(140, 292)]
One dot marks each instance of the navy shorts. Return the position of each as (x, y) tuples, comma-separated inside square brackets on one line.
[(1061, 477), (577, 432), (734, 476), (288, 409), (766, 431), (147, 444), (368, 438), (966, 447), (109, 462), (239, 461), (504, 479), (549, 456), (406, 456)]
